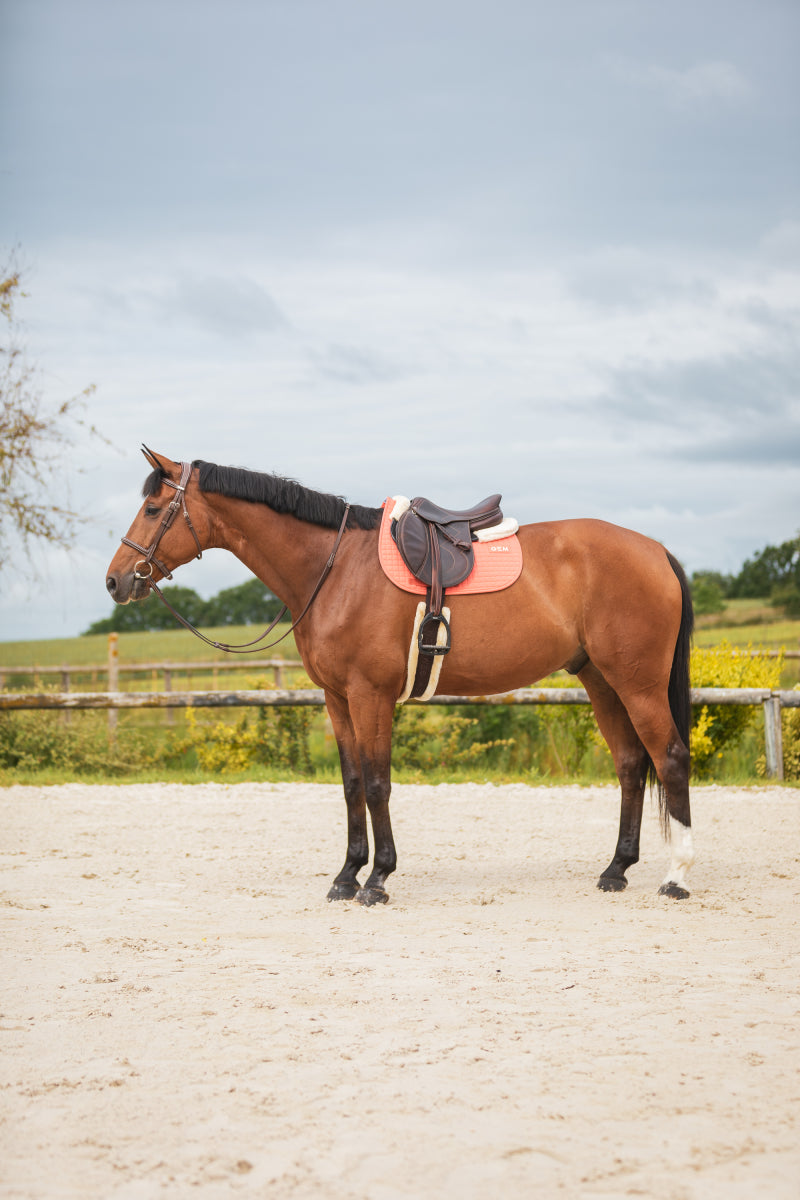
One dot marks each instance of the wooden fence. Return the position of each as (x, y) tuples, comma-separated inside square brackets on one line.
[(771, 701), (167, 671), (66, 672)]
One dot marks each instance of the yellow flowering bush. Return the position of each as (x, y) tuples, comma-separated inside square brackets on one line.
[(717, 726), (277, 737)]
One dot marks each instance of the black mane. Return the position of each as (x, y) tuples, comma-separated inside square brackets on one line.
[(284, 496), (281, 495)]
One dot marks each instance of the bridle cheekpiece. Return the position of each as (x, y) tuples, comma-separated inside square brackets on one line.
[(149, 552)]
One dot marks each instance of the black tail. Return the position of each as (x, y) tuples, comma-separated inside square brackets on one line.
[(680, 700)]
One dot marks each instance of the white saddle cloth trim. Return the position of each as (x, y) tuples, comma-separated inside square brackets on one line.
[(503, 530), (413, 656)]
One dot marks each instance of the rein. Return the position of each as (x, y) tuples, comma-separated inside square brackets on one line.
[(149, 559)]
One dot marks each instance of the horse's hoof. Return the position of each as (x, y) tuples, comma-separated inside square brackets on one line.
[(674, 891), (372, 895), (343, 891), (612, 883)]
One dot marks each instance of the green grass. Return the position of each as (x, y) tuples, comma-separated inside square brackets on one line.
[(746, 621), (166, 645)]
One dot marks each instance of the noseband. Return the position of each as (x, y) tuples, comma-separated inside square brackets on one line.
[(149, 552)]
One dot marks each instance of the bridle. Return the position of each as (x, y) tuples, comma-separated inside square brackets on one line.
[(149, 559), (149, 552)]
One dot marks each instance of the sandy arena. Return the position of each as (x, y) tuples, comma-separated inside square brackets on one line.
[(183, 1013)]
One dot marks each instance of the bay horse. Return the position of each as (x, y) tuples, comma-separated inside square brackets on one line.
[(607, 604)]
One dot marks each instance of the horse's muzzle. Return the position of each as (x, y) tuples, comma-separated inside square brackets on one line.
[(124, 588)]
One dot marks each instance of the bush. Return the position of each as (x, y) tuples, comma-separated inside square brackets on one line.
[(277, 737), (716, 727), (41, 739), (423, 739)]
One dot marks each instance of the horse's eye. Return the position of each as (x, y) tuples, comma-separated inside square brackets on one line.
[(151, 510)]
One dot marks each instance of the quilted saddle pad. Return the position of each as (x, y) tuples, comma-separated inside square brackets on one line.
[(497, 563)]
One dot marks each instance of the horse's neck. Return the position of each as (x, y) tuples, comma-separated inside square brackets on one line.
[(286, 554)]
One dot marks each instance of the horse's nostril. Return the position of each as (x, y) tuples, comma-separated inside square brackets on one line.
[(111, 584)]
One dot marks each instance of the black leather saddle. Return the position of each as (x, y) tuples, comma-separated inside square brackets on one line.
[(435, 543)]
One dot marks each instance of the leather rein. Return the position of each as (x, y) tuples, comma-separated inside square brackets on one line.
[(149, 559)]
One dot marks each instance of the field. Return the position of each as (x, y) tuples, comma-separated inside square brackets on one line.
[(742, 622), (184, 1014)]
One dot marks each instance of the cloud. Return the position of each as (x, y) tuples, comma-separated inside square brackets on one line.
[(774, 444), (701, 86), (718, 394), (781, 244), (630, 277), (357, 365), (226, 306)]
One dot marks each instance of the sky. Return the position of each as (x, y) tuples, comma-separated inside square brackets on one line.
[(428, 248)]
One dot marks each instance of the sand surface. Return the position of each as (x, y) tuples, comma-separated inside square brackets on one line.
[(183, 1014)]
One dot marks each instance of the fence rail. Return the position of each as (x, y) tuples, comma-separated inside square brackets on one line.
[(771, 701), (213, 666)]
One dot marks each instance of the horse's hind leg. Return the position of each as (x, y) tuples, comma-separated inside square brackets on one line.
[(670, 756), (630, 763)]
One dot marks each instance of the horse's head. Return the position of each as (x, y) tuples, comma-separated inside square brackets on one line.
[(160, 538)]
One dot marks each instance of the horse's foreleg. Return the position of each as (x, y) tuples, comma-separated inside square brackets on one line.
[(371, 715), (630, 763), (345, 886)]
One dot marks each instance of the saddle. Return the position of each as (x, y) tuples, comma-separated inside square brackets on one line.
[(435, 543)]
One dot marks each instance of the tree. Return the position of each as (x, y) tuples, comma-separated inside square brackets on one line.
[(249, 603), (707, 593), (33, 437), (773, 568), (150, 613)]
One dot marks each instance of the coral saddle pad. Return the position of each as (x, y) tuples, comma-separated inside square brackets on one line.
[(497, 563)]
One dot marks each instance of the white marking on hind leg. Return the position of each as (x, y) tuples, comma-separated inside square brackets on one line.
[(682, 848)]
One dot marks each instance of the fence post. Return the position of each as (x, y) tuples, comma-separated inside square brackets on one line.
[(66, 716), (168, 716), (773, 738), (113, 678)]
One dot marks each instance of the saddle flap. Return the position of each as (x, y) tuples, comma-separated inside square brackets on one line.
[(414, 535)]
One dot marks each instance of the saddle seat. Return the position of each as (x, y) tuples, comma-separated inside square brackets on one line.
[(481, 516)]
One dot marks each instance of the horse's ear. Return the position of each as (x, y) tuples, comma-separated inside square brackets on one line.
[(155, 461)]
